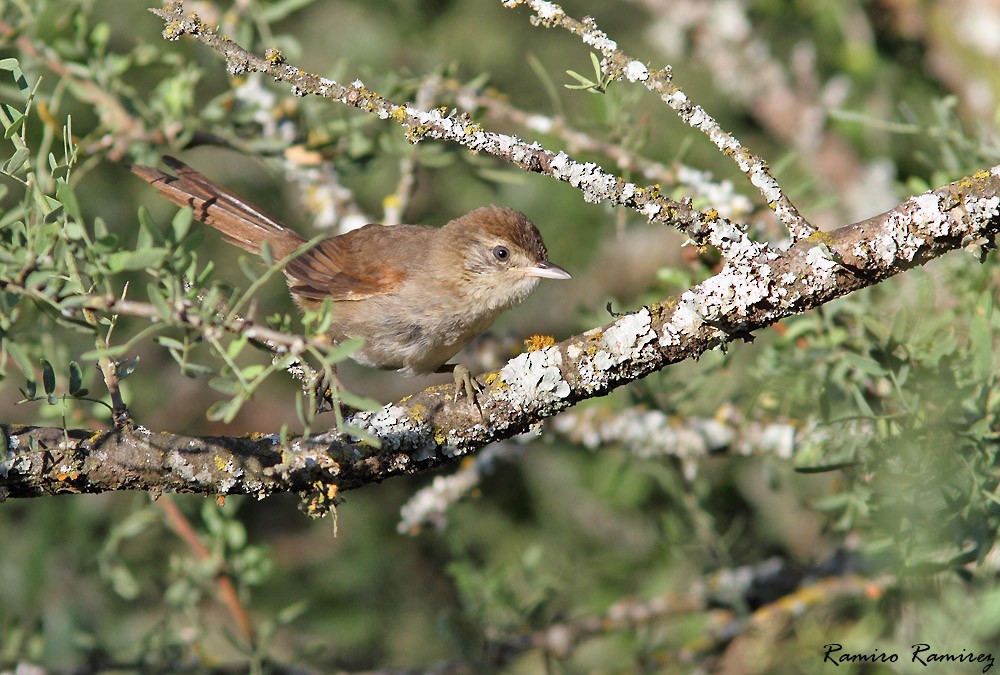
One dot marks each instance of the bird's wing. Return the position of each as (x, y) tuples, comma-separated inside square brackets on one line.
[(351, 266)]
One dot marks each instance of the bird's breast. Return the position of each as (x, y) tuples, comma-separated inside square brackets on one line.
[(409, 334)]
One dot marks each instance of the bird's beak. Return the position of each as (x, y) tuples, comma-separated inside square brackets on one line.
[(546, 270)]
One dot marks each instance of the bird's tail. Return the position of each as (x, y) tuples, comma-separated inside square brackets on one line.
[(241, 222)]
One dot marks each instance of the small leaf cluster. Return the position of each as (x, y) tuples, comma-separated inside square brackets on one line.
[(906, 410)]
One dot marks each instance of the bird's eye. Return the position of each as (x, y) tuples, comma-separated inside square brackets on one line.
[(501, 253)]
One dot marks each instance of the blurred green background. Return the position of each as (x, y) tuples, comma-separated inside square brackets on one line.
[(663, 514)]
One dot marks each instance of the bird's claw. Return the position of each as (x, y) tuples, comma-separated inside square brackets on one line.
[(465, 382)]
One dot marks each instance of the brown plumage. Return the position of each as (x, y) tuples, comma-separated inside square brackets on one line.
[(416, 294)]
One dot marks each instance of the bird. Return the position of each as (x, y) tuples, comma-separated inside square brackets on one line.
[(416, 294)]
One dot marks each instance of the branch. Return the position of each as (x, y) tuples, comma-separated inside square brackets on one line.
[(184, 313), (595, 183), (618, 65), (429, 429)]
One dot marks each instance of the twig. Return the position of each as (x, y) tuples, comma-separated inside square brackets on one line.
[(616, 64), (703, 227), (183, 313)]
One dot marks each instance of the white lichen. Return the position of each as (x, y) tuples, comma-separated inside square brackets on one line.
[(636, 71), (623, 342), (534, 378)]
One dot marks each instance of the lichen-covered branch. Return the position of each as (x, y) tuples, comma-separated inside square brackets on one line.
[(429, 428), (723, 588), (593, 182), (691, 182), (617, 65)]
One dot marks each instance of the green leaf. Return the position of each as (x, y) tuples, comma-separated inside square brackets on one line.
[(20, 359), (344, 350), (169, 342), (222, 411), (357, 401), (192, 241), (250, 269), (267, 253), (291, 613), (30, 389), (75, 378), (48, 377), (864, 364), (252, 371), (195, 369), (75, 230), (16, 161), (361, 435), (149, 233), (225, 386), (155, 295), (123, 370), (100, 228), (65, 194), (204, 275), (862, 402), (122, 581), (181, 223), (12, 65), (16, 118), (585, 83), (136, 260), (236, 346)]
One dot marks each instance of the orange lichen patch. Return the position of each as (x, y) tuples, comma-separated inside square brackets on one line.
[(536, 342), (220, 500)]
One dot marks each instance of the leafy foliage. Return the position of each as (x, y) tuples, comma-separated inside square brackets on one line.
[(591, 555)]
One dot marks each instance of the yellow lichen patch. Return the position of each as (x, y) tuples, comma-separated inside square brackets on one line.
[(417, 412), (415, 134), (536, 342), (493, 377), (173, 31), (820, 237), (220, 464), (274, 56)]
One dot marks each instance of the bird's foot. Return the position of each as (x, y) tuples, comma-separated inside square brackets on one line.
[(465, 382)]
